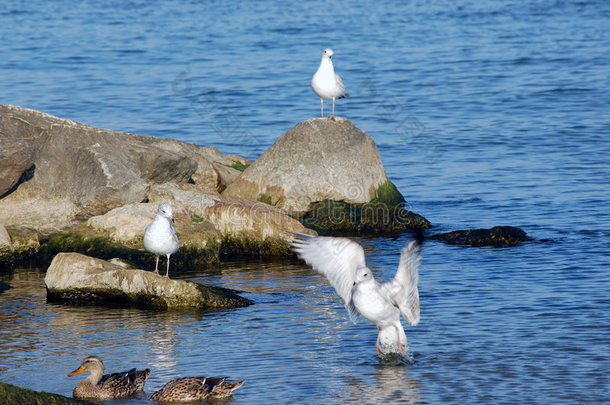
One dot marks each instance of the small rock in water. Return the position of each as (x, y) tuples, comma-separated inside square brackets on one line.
[(79, 279), (498, 236)]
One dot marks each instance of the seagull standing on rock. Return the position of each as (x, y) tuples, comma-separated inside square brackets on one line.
[(160, 236), (342, 261), (326, 83)]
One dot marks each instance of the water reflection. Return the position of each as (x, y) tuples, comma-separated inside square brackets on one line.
[(390, 384), (393, 383)]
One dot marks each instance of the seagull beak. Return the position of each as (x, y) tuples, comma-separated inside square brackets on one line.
[(77, 371)]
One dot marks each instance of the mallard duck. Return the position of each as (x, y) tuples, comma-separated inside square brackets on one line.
[(109, 386), (195, 389)]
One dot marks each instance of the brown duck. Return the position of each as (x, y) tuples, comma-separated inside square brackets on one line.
[(195, 389), (109, 386)]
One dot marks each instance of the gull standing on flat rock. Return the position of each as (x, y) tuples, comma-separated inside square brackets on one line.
[(160, 236), (342, 261), (326, 83)]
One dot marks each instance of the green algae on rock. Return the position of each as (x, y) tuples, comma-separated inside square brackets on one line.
[(332, 217), (13, 395)]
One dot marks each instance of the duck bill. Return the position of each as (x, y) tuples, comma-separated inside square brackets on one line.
[(77, 371)]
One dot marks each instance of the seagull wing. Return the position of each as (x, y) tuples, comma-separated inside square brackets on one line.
[(174, 234), (402, 290), (340, 85), (336, 258)]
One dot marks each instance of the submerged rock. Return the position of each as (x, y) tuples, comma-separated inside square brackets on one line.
[(498, 236), (322, 161), (14, 395), (4, 286), (76, 278)]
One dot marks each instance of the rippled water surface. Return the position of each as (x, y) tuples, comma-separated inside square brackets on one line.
[(485, 113)]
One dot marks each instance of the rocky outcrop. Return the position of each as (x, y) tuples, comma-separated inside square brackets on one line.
[(76, 278), (498, 236), (76, 171), (202, 220), (322, 167), (14, 395), (93, 191)]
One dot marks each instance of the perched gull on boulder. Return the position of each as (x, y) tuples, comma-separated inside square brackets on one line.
[(342, 262), (160, 236), (326, 83)]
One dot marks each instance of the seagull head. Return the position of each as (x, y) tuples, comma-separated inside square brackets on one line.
[(363, 274), (166, 211), (328, 53)]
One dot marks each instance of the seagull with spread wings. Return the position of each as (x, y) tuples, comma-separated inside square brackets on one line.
[(342, 261)]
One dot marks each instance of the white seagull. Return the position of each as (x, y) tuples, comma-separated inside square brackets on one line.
[(160, 236), (326, 83), (342, 262)]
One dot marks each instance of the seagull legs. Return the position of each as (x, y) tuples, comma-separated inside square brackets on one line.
[(322, 107), (332, 116), (401, 345), (157, 266), (167, 271), (377, 345)]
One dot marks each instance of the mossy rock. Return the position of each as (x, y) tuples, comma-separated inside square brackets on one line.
[(215, 298), (332, 217), (265, 198), (104, 248), (197, 249), (388, 194), (243, 246), (221, 298), (237, 165), (498, 236), (14, 395)]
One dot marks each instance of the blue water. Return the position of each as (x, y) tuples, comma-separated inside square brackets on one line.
[(485, 113)]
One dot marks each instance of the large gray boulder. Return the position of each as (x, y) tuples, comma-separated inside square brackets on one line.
[(76, 278), (329, 174), (77, 171), (318, 159)]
